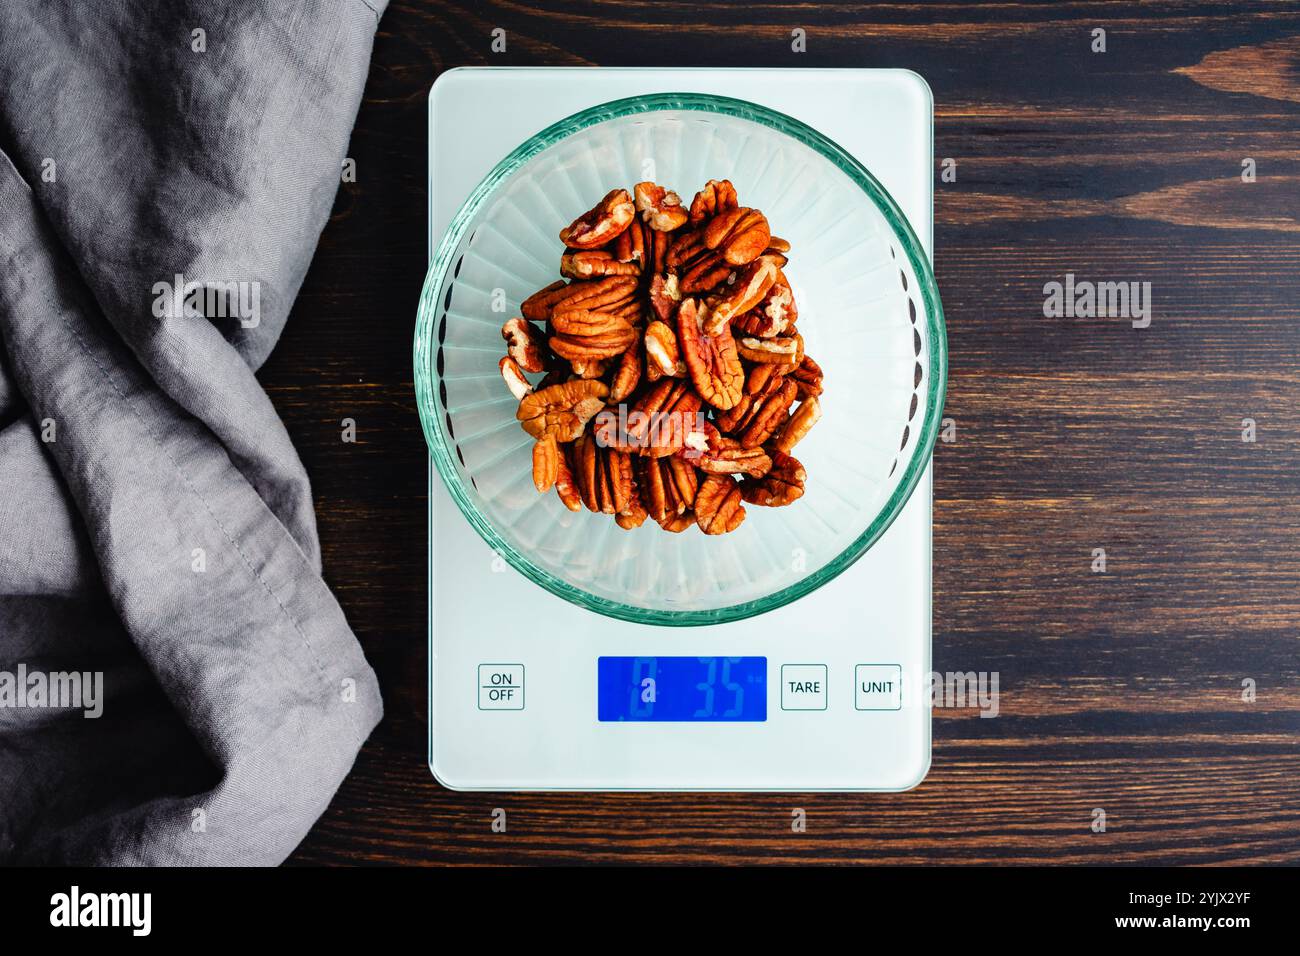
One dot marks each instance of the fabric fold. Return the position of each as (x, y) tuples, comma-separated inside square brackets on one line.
[(165, 195)]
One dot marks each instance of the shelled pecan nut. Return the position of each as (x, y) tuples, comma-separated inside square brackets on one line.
[(781, 350), (661, 349), (717, 196), (740, 234), (661, 209), (537, 307), (546, 463), (665, 296), (661, 419), (797, 427), (561, 410), (718, 507), (730, 458), (627, 375), (808, 376), (774, 315), (581, 334), (514, 378), (712, 360), (762, 409), (595, 263), (602, 223), (667, 487), (634, 515), (783, 483), (525, 344), (749, 288), (565, 485), (698, 268)]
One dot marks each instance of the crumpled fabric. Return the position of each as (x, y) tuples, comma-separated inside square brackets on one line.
[(166, 168)]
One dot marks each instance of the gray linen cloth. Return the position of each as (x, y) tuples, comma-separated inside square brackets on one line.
[(156, 524)]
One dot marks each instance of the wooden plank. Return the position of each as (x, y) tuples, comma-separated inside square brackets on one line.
[(1120, 691)]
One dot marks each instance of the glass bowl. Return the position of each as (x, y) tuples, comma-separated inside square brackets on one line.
[(869, 313)]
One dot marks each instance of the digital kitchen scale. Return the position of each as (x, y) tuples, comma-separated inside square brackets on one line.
[(530, 692)]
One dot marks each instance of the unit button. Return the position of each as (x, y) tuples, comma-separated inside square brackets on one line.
[(878, 687), (803, 686), (501, 687)]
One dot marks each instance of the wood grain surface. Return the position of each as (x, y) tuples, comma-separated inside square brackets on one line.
[(1120, 691)]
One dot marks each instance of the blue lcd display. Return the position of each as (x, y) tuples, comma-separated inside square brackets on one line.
[(682, 688)]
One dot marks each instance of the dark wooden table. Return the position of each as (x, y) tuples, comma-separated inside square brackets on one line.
[(1121, 690)]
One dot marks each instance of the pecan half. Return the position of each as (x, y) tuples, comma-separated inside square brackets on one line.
[(513, 376), (667, 487), (630, 246), (782, 350), (610, 294), (730, 458), (718, 507), (581, 334), (716, 197), (661, 350), (774, 315), (634, 515), (565, 486), (740, 234), (762, 409), (697, 267), (537, 307), (603, 476), (701, 438), (799, 424), (781, 485), (546, 463), (644, 246), (602, 223), (659, 422), (616, 491), (665, 296), (627, 375), (678, 523), (586, 470), (711, 359), (589, 368), (808, 376), (595, 263), (561, 410), (750, 287), (525, 344), (661, 209)]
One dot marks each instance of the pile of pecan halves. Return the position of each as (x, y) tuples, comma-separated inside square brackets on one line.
[(675, 383)]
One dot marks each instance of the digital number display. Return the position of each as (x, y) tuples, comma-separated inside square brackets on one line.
[(682, 689)]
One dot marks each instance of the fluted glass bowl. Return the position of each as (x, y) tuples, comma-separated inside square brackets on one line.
[(868, 310)]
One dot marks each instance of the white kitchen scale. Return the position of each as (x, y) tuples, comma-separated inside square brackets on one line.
[(527, 691)]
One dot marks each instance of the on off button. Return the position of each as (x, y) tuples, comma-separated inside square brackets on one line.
[(501, 687)]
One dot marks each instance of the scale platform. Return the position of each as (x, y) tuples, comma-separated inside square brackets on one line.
[(528, 691)]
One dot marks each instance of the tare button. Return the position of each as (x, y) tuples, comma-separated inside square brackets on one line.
[(878, 687), (803, 686), (501, 687)]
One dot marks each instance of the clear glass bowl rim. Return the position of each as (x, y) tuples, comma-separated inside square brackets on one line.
[(433, 291)]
